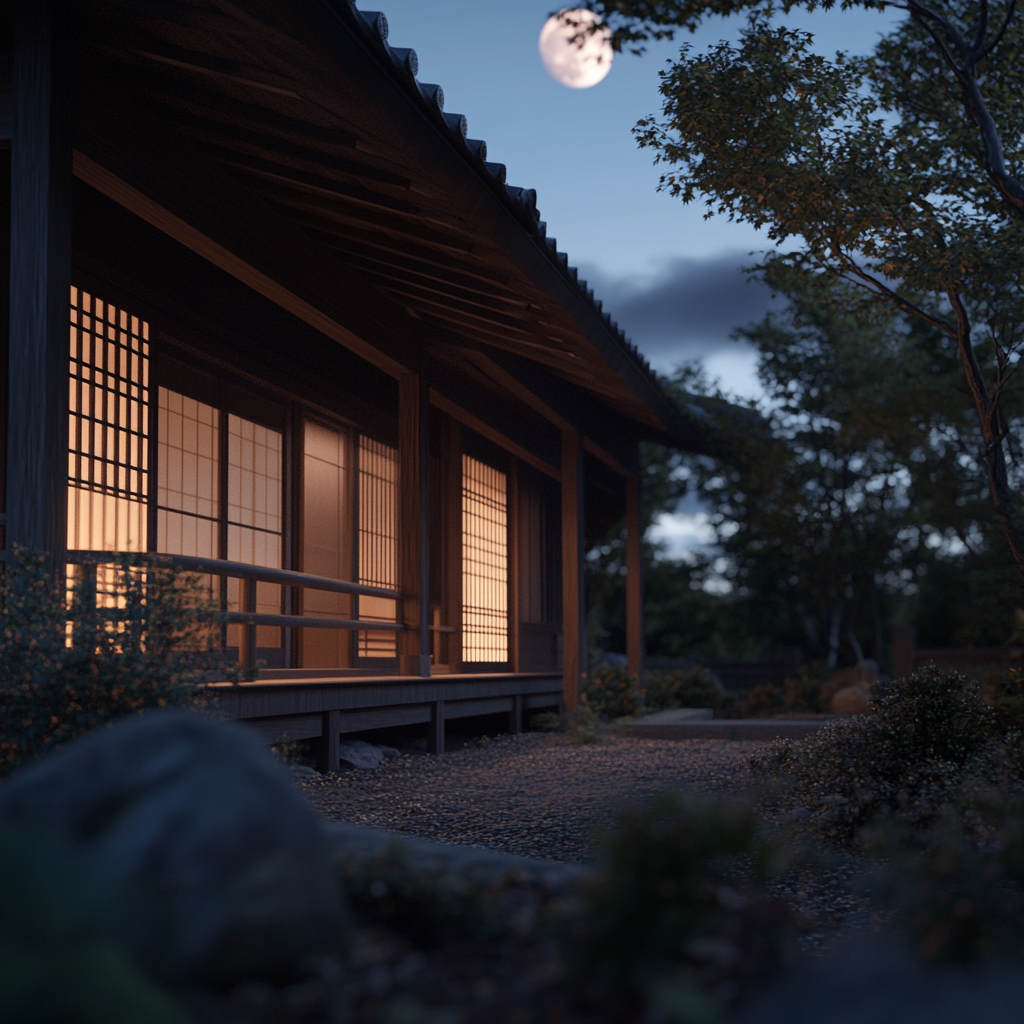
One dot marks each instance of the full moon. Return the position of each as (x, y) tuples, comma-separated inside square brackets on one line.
[(578, 67)]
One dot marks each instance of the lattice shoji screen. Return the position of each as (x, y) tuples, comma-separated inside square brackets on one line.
[(255, 514), (378, 542), (108, 427), (484, 562)]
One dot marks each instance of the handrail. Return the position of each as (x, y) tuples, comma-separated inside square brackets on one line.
[(241, 570), (301, 621)]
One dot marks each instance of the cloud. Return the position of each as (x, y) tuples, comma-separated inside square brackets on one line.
[(687, 309)]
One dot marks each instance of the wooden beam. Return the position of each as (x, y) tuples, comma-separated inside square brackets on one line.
[(37, 439), (513, 567), (458, 413), (634, 580), (574, 632), (415, 661)]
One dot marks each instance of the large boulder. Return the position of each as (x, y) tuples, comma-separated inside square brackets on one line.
[(229, 872)]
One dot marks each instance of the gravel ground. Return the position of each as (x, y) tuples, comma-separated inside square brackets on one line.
[(535, 795), (545, 796)]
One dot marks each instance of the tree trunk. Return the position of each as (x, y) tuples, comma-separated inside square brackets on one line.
[(991, 434)]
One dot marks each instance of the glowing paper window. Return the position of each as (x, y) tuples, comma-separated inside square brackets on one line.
[(108, 427), (378, 542), (188, 476), (254, 514), (484, 562), (326, 545)]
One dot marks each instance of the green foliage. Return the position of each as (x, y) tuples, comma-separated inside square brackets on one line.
[(692, 687), (675, 918), (956, 889), (907, 759), (611, 692), (56, 960), (134, 642)]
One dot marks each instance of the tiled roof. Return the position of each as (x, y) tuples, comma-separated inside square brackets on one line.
[(522, 201)]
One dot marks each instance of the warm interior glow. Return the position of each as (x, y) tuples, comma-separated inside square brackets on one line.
[(378, 542), (326, 540), (108, 427), (484, 563)]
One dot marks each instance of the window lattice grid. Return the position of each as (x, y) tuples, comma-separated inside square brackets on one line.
[(378, 542), (108, 426), (484, 562), (188, 475)]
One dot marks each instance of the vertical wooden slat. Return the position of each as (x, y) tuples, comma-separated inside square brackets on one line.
[(248, 641), (423, 467), (40, 281), (414, 661), (452, 455), (634, 580), (574, 633)]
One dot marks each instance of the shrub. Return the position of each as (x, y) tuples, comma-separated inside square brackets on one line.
[(675, 918), (611, 692), (694, 687), (129, 643), (925, 733), (764, 699)]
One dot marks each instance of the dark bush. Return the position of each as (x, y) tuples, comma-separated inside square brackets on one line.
[(676, 919), (925, 734), (763, 700), (694, 687), (611, 692), (126, 640)]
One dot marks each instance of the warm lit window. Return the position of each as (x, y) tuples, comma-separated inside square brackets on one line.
[(378, 542), (108, 427), (188, 476), (484, 563), (326, 543)]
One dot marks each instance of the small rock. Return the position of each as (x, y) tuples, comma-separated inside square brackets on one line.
[(390, 752), (303, 771), (360, 754), (798, 814), (230, 872), (852, 700)]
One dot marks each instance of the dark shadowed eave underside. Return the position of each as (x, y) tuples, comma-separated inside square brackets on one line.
[(305, 104)]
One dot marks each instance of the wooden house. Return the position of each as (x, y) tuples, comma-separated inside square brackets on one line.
[(320, 349)]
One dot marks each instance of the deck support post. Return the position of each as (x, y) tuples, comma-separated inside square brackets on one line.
[(574, 631), (634, 580), (327, 753), (435, 731), (40, 281), (413, 475), (515, 718)]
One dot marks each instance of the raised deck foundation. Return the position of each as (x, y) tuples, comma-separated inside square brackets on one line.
[(326, 707)]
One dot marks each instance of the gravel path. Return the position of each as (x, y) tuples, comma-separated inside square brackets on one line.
[(535, 795), (543, 795)]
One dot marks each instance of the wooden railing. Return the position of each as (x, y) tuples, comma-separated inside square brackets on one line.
[(248, 618)]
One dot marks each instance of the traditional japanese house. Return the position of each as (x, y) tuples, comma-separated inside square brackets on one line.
[(319, 349)]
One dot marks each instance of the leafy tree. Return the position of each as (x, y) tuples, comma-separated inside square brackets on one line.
[(871, 164)]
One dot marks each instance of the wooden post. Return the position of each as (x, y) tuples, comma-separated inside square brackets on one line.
[(412, 480), (327, 754), (40, 282), (435, 731), (634, 581), (515, 717), (247, 655), (574, 632), (452, 457)]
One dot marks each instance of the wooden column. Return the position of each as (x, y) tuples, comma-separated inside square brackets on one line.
[(513, 566), (574, 632), (435, 731), (40, 282), (451, 454), (328, 754), (634, 580), (412, 480)]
